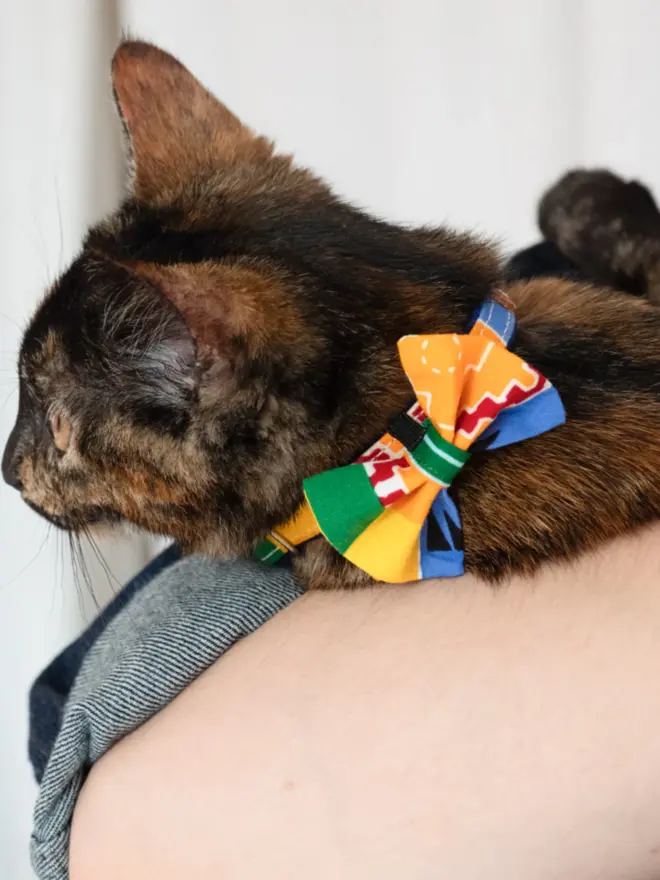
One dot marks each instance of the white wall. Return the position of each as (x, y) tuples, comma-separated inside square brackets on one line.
[(423, 110), (432, 110), (59, 168)]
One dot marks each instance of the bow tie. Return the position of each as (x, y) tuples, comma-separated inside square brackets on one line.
[(391, 512)]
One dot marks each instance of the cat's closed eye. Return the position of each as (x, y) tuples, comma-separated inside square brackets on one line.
[(60, 429)]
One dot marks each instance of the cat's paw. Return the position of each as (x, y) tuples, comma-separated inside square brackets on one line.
[(604, 224)]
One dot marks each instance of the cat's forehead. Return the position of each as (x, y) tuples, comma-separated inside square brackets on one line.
[(43, 355), (57, 325)]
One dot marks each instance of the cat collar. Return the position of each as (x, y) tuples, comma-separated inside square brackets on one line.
[(391, 512)]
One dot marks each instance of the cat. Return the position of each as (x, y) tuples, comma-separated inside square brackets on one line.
[(231, 329)]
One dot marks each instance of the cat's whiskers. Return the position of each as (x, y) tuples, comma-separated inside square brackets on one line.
[(8, 397), (22, 571), (11, 321), (81, 570), (115, 587), (113, 582)]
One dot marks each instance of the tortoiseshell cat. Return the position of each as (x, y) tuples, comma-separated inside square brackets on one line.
[(232, 329)]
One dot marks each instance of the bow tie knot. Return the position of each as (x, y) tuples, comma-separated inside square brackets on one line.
[(435, 457)]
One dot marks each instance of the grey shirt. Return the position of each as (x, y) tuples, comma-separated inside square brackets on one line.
[(162, 639)]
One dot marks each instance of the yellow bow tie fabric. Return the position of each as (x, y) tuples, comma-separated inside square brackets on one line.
[(390, 512)]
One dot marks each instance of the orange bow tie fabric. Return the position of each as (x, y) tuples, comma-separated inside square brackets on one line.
[(390, 513)]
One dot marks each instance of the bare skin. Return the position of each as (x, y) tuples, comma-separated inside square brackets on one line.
[(442, 730)]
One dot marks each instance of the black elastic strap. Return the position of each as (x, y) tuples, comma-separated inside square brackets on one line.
[(407, 431)]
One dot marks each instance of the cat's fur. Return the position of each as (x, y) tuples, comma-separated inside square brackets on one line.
[(608, 226), (232, 329)]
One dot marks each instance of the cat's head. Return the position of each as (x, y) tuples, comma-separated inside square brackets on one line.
[(230, 330)]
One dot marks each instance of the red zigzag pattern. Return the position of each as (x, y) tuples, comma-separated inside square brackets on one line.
[(488, 408)]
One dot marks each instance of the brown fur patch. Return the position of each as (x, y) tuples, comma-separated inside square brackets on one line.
[(605, 313), (50, 346)]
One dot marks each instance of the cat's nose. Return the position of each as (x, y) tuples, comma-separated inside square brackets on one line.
[(11, 460)]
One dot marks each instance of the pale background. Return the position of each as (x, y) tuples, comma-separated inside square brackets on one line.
[(422, 110)]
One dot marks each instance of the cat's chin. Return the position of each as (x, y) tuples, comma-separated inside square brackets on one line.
[(217, 544), (79, 520)]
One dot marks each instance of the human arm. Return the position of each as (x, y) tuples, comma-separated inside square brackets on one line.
[(441, 730)]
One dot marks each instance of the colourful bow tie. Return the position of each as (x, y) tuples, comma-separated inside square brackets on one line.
[(390, 513)]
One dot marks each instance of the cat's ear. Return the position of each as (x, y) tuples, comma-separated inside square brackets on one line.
[(146, 340), (228, 307), (176, 129), (219, 303)]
